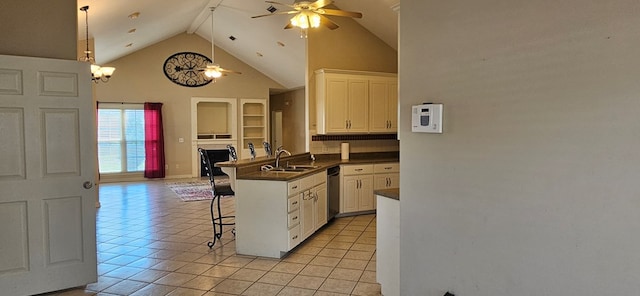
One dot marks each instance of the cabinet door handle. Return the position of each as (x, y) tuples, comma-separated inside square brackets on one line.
[(307, 195), (294, 218), (346, 124), (294, 237)]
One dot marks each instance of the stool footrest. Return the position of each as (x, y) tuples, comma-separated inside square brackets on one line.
[(217, 221)]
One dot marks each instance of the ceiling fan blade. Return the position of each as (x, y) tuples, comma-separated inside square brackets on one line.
[(288, 26), (282, 12), (283, 4), (325, 21), (229, 71), (337, 12), (320, 4)]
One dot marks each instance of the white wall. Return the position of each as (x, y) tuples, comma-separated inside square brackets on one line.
[(533, 189)]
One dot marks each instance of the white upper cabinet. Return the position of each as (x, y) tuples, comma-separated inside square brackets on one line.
[(383, 105), (356, 102)]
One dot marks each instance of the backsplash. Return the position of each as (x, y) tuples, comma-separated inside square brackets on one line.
[(355, 146)]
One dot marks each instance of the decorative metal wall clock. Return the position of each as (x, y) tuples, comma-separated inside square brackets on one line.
[(186, 69)]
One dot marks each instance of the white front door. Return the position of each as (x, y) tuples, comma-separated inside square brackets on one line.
[(47, 172)]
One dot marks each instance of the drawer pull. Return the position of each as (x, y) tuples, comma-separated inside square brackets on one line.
[(294, 218), (388, 168), (294, 237), (294, 187), (358, 170), (294, 203)]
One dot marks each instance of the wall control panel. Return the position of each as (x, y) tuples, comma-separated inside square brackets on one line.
[(426, 118)]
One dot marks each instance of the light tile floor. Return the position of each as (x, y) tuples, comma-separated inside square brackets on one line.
[(151, 243)]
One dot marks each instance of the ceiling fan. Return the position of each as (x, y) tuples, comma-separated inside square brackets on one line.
[(213, 70), (311, 14)]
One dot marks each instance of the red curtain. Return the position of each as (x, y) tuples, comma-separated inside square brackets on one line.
[(153, 141)]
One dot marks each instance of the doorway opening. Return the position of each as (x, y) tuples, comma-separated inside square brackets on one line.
[(276, 129)]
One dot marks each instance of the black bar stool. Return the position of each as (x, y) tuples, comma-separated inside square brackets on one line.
[(218, 190)]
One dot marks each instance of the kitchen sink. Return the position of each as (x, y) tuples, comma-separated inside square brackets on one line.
[(293, 168), (301, 167)]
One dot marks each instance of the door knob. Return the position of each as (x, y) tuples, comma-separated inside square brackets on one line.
[(87, 185)]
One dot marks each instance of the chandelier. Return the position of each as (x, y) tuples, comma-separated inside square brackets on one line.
[(97, 73)]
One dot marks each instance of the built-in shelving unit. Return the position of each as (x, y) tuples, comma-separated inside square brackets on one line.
[(254, 125), (214, 125), (213, 136)]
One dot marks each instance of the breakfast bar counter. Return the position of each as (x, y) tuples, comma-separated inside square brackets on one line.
[(278, 208)]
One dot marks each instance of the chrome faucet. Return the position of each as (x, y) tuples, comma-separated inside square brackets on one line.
[(279, 152)]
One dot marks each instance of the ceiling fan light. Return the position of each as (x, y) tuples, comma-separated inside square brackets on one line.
[(314, 19), (212, 73), (300, 20)]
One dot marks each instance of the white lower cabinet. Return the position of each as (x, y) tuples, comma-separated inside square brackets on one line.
[(321, 205), (273, 217), (293, 221), (314, 209), (359, 181), (386, 181), (357, 188)]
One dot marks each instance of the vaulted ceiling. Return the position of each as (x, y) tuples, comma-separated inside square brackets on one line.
[(260, 42)]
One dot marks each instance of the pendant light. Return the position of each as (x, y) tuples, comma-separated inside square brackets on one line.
[(97, 73)]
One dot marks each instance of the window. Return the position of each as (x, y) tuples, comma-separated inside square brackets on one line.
[(120, 138)]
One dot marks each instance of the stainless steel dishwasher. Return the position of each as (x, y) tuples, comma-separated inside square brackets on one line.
[(333, 192)]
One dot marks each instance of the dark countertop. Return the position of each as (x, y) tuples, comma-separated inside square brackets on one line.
[(250, 169), (393, 193)]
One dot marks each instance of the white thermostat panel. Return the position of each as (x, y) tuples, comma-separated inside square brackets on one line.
[(426, 118)]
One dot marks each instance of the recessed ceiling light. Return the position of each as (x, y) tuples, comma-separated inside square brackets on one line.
[(280, 43), (259, 54), (132, 31), (134, 15), (129, 45)]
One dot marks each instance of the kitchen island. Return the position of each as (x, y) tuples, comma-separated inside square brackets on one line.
[(277, 210)]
